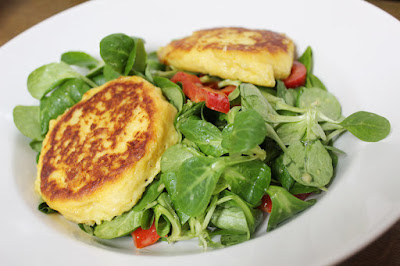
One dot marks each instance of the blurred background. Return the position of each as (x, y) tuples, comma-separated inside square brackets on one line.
[(19, 15)]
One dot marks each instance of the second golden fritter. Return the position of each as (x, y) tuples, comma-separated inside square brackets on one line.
[(255, 56)]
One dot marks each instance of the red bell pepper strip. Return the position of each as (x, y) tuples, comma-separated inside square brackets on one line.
[(143, 238), (297, 76), (197, 92), (228, 89), (266, 204)]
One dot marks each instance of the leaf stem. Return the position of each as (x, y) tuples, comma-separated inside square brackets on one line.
[(330, 126), (210, 212), (325, 118), (272, 118), (89, 82), (174, 220), (334, 134), (286, 107), (236, 159), (272, 134)]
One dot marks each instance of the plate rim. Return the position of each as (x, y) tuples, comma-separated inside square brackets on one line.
[(368, 240)]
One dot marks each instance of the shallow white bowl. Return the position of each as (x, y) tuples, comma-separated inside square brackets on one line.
[(357, 55)]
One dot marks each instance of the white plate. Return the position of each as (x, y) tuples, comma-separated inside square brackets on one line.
[(356, 49)]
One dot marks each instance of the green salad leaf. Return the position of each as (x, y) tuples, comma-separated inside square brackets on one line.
[(47, 77), (172, 91), (298, 188), (43, 207), (367, 126), (322, 100), (279, 171), (80, 59), (206, 136), (64, 97), (312, 81), (166, 218), (230, 218), (290, 133), (195, 182), (284, 206), (87, 229), (123, 53), (27, 120), (309, 164), (249, 180), (253, 216), (307, 59), (175, 155), (36, 145), (115, 50), (109, 73), (140, 58), (151, 194), (121, 225), (248, 130)]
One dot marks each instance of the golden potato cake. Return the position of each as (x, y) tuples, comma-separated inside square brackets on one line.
[(99, 156), (255, 56)]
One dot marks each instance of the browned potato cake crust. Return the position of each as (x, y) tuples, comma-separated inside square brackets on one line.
[(99, 155)]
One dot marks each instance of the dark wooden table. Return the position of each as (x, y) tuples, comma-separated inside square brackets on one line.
[(18, 15)]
